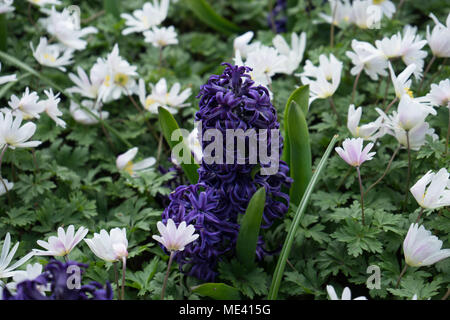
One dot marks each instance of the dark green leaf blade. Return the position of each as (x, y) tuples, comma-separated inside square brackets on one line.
[(249, 229)]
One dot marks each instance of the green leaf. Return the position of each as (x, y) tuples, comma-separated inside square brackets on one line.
[(300, 152), (217, 291), (279, 270), (206, 13), (249, 229), (301, 97), (168, 126), (112, 7), (3, 32)]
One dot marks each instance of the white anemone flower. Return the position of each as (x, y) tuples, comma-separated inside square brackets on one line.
[(293, 53), (52, 55), (9, 78), (265, 63), (402, 83), (370, 131), (363, 16), (175, 238), (341, 13), (194, 145), (7, 271), (161, 37), (160, 96), (6, 6), (411, 52), (411, 112), (421, 248), (41, 3), (27, 106), (417, 135), (387, 7), (368, 58), (31, 273), (119, 76), (243, 45), (65, 26), (125, 162), (84, 117), (86, 86), (323, 80), (346, 294), (151, 14), (50, 106), (439, 38), (9, 186), (63, 244), (353, 153), (439, 94), (432, 191), (110, 247), (15, 136)]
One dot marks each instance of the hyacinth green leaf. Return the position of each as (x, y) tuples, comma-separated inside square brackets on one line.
[(297, 148), (168, 126), (12, 60), (249, 229), (301, 97), (300, 153), (217, 291), (112, 7), (281, 264), (3, 32), (206, 14)]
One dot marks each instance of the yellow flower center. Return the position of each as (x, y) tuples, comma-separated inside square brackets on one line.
[(129, 168), (409, 92), (377, 1), (107, 80), (149, 102), (50, 57), (121, 79)]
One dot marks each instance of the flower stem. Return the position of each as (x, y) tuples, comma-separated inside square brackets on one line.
[(163, 290), (134, 103), (425, 72), (390, 105), (420, 214), (355, 84), (385, 171), (409, 168), (362, 194), (332, 26), (116, 278), (401, 275), (333, 106), (448, 131), (124, 269)]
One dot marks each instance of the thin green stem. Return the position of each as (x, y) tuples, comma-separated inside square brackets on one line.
[(385, 171), (448, 131), (420, 215), (332, 25), (401, 275), (116, 279), (355, 84), (425, 72), (390, 105), (333, 107), (124, 269), (409, 168), (446, 295), (163, 290), (361, 189)]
